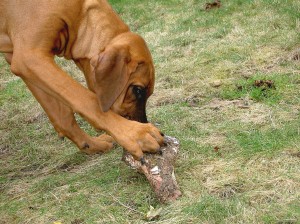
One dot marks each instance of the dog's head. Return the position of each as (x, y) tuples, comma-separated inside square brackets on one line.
[(124, 76)]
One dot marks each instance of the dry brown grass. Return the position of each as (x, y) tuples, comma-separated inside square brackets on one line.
[(252, 176)]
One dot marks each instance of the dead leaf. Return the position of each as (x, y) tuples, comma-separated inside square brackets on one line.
[(216, 83), (153, 213), (216, 149)]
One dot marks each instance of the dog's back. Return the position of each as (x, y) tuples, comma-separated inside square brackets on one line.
[(36, 17), (17, 17)]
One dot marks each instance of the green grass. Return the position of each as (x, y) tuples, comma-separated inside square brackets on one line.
[(254, 176), (211, 209)]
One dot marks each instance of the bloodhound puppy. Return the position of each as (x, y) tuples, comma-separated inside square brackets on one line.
[(116, 63)]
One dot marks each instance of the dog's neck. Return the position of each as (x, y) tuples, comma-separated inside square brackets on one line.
[(98, 26)]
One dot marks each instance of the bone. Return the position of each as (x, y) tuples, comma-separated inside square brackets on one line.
[(159, 170)]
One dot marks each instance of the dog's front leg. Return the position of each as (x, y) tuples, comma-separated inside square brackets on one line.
[(64, 122), (38, 68)]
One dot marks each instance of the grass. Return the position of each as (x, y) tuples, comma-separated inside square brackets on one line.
[(254, 176)]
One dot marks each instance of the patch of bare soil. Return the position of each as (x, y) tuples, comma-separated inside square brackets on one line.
[(34, 117), (165, 97), (218, 104), (262, 180), (248, 111), (293, 153), (216, 141), (194, 99), (258, 114), (218, 182)]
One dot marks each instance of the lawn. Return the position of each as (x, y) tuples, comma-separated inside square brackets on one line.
[(240, 142)]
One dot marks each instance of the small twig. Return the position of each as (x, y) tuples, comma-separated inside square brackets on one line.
[(122, 204), (55, 197), (271, 119)]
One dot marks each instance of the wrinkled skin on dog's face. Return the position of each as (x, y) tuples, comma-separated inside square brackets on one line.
[(124, 76), (131, 104)]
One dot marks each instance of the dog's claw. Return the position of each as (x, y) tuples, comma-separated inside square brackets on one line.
[(143, 161), (160, 152), (86, 146)]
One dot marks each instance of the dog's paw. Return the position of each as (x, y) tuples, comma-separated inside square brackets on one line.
[(106, 138), (95, 145), (141, 138)]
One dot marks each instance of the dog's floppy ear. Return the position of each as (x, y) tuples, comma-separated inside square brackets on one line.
[(112, 69)]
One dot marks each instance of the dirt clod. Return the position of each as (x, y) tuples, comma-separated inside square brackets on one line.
[(296, 57), (216, 149), (264, 84), (214, 4)]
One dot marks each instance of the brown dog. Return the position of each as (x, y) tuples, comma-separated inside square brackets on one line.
[(116, 63)]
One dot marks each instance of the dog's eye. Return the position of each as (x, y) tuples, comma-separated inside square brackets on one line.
[(139, 92)]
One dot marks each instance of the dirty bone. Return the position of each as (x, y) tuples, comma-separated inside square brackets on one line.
[(159, 170)]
